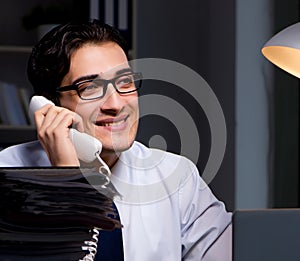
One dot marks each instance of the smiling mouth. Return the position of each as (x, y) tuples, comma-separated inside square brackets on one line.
[(114, 123)]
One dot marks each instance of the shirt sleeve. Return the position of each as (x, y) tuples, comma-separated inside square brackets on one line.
[(30, 154), (203, 221)]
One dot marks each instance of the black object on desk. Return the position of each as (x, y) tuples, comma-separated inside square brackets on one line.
[(266, 235)]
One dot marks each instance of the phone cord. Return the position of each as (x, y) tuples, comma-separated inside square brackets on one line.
[(91, 246)]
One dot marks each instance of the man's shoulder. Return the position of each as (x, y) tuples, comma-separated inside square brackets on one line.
[(32, 145), (24, 154), (159, 173), (146, 149), (141, 151)]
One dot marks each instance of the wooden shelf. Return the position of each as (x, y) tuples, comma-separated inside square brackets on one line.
[(15, 49), (10, 135)]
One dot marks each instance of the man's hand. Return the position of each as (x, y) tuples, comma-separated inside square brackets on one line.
[(53, 125)]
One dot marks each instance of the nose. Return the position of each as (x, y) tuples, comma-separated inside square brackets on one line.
[(112, 100)]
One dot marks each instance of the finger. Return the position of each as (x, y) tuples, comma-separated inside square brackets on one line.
[(54, 136), (39, 115), (56, 125), (53, 116), (53, 131), (59, 118)]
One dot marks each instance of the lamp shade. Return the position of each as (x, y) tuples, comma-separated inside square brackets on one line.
[(283, 49)]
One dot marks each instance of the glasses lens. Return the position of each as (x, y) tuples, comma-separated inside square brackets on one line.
[(127, 83), (91, 89)]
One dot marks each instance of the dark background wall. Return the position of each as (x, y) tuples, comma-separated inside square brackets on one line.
[(285, 178), (200, 35)]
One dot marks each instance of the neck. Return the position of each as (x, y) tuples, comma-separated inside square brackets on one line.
[(110, 157)]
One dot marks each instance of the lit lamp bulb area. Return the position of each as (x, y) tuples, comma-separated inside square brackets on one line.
[(283, 49)]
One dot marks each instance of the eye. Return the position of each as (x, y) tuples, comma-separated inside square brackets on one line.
[(124, 81), (90, 86)]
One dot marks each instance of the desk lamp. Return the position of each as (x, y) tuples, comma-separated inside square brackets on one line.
[(283, 49)]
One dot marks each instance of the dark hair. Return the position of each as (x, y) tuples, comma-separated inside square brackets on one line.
[(49, 61)]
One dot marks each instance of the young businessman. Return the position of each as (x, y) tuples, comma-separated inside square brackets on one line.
[(166, 209)]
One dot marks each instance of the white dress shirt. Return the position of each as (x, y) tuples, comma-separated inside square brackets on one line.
[(167, 211)]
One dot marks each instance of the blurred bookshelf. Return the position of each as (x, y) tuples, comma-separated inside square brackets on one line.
[(18, 34), (15, 92), (11, 135)]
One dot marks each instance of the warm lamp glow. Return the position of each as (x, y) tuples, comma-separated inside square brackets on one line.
[(283, 49)]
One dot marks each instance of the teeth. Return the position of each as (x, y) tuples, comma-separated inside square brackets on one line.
[(113, 123)]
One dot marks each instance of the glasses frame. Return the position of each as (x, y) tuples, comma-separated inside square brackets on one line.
[(106, 82)]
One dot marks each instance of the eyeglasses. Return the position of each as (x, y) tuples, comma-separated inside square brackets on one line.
[(96, 88)]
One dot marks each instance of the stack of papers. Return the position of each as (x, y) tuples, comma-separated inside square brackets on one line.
[(53, 213)]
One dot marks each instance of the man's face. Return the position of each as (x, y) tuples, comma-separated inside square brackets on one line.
[(112, 119)]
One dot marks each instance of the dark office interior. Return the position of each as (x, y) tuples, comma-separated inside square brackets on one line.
[(219, 40)]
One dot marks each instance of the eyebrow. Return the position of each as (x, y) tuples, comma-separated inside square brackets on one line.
[(94, 76), (86, 77), (124, 70)]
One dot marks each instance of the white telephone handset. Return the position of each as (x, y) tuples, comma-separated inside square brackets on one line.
[(87, 147)]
